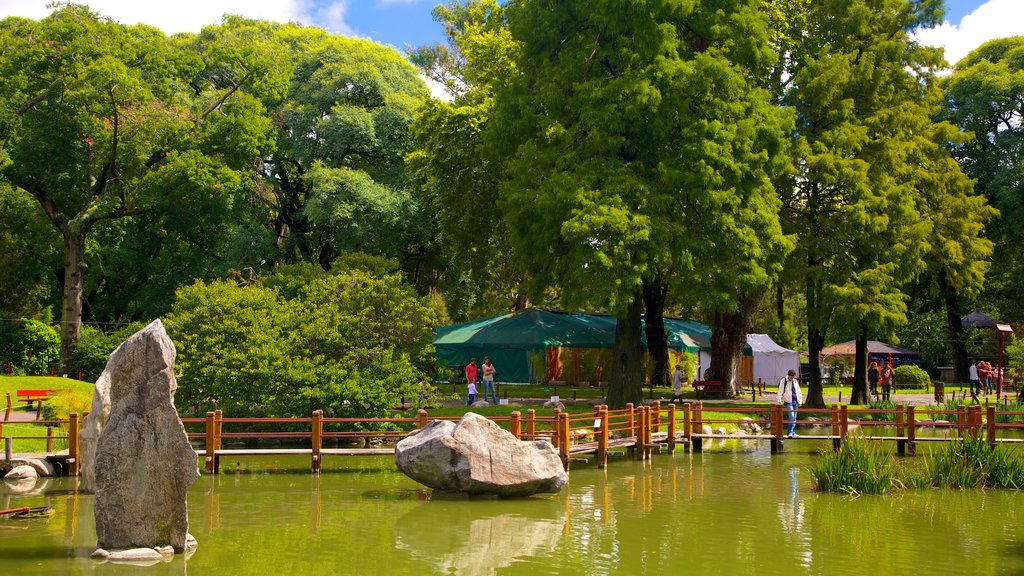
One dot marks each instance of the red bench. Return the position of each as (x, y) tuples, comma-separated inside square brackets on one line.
[(30, 396), (709, 388)]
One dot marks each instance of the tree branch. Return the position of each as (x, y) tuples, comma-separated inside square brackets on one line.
[(221, 100)]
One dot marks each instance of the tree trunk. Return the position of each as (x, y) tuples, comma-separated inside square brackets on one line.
[(955, 329), (728, 337), (859, 393), (816, 325), (655, 293), (626, 384), (71, 300)]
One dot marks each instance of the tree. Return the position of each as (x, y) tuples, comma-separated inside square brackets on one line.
[(870, 161), (336, 180), (29, 252), (637, 145), (98, 126), (983, 97)]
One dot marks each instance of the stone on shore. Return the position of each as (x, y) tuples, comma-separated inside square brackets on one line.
[(476, 456), (144, 462), (22, 473)]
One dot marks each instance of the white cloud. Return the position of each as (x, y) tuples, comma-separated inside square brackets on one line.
[(993, 19), (332, 18), (171, 17)]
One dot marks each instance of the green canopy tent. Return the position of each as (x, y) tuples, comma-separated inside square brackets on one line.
[(513, 340)]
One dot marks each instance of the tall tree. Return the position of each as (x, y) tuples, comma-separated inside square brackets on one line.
[(99, 126), (637, 144), (864, 145), (985, 97)]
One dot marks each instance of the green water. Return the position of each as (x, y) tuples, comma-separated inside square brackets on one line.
[(720, 513)]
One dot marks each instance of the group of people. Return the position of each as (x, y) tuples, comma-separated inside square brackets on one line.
[(473, 375), (884, 375), (984, 377)]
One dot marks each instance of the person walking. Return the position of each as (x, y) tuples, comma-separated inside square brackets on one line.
[(677, 383), (489, 370), (974, 377), (470, 392), (887, 374), (873, 378), (791, 397)]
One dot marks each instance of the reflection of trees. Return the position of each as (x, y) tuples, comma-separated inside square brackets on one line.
[(469, 541)]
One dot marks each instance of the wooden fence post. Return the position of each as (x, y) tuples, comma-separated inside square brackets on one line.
[(515, 426), (73, 464), (211, 444), (911, 431), (990, 425), (49, 438), (836, 442), (556, 427), (318, 438), (776, 442), (7, 413), (649, 417), (844, 422), (531, 424), (656, 417), (218, 440), (697, 425), (687, 429), (602, 439), (901, 444), (671, 428), (961, 421), (421, 418), (563, 438)]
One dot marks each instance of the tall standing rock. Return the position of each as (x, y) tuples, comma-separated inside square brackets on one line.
[(92, 426), (144, 462)]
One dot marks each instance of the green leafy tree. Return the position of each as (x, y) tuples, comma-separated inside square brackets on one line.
[(873, 180), (353, 342), (33, 347), (983, 98), (104, 122), (637, 146), (29, 252)]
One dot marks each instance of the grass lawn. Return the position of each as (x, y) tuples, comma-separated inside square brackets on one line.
[(38, 433), (11, 385)]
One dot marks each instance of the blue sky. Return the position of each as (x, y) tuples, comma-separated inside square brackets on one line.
[(408, 22)]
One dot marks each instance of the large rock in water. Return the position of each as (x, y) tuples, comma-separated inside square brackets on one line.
[(92, 426), (476, 456), (144, 462)]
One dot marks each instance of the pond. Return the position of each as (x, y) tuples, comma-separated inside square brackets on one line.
[(731, 510)]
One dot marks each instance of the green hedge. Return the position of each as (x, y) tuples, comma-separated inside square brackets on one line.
[(910, 376)]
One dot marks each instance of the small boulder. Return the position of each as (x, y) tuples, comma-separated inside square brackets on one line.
[(706, 429), (22, 473), (551, 404), (476, 456), (481, 404), (43, 467), (721, 430)]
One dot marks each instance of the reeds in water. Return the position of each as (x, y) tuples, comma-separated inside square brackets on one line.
[(858, 467)]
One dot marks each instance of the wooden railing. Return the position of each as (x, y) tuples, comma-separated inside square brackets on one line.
[(640, 431)]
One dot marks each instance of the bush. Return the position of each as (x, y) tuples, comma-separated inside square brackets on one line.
[(352, 343), (94, 349), (910, 376), (60, 406), (32, 346)]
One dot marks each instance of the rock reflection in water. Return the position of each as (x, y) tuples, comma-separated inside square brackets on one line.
[(474, 543)]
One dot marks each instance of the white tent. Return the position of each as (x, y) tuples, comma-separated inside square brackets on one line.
[(771, 361)]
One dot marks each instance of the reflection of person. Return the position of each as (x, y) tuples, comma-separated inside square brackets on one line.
[(973, 371), (677, 383), (791, 397), (873, 377), (887, 373), (489, 371)]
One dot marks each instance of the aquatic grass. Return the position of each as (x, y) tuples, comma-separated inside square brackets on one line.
[(888, 416), (973, 463), (858, 467)]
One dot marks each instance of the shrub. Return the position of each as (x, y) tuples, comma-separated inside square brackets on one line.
[(910, 376), (61, 405), (858, 467), (351, 342), (94, 349), (32, 346)]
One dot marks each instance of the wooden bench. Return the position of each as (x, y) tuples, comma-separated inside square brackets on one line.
[(30, 396), (710, 388)]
